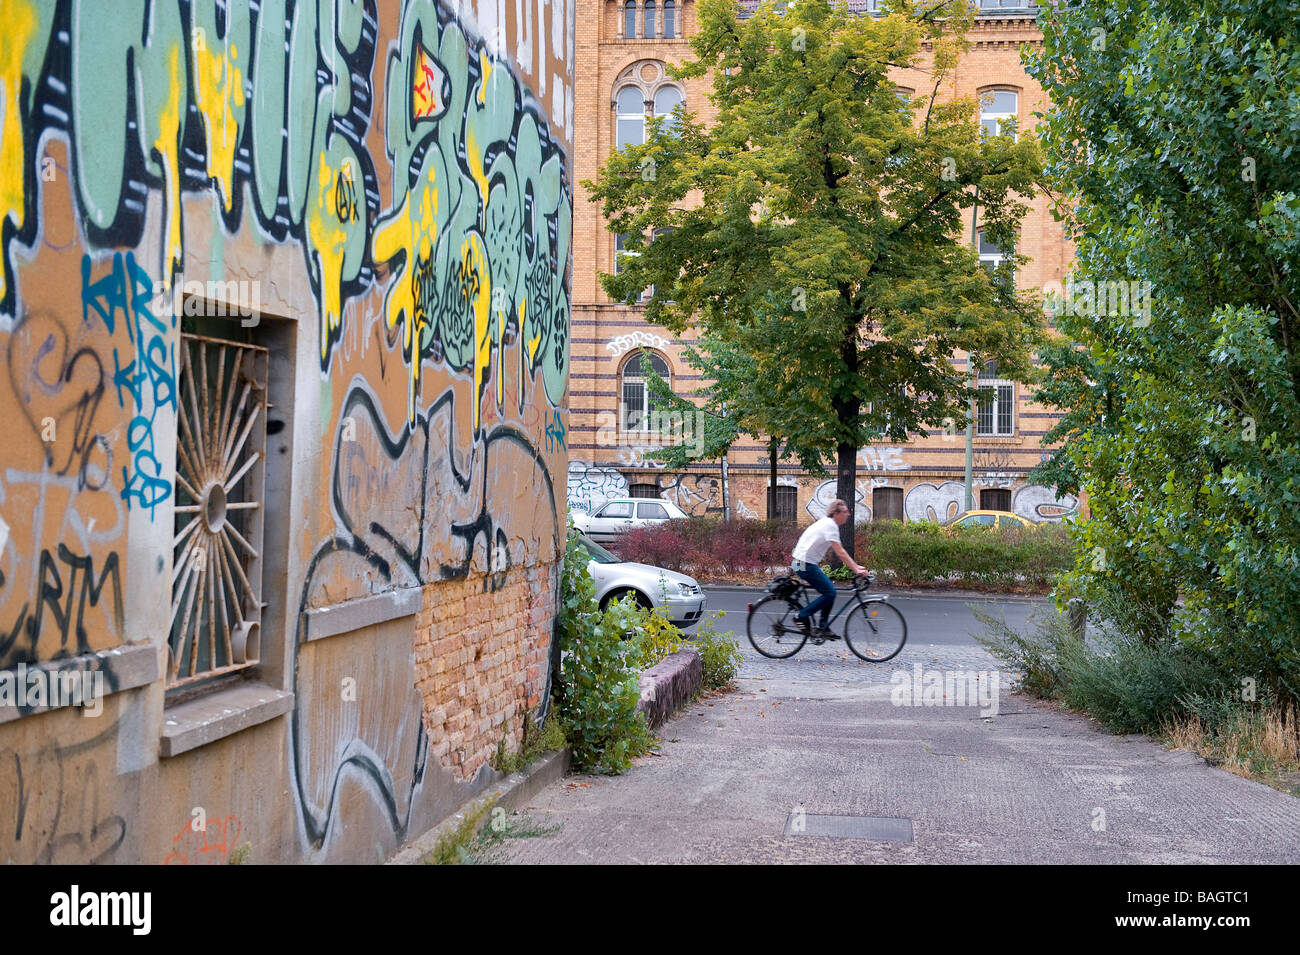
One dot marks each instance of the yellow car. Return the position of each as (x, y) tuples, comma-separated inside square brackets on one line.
[(989, 519)]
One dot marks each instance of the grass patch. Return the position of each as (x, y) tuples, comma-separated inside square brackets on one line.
[(481, 835), (535, 744)]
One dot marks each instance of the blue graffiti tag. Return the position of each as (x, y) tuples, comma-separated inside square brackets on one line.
[(149, 378)]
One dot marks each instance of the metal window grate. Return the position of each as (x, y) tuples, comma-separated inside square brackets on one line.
[(887, 504), (995, 499), (220, 456), (787, 503)]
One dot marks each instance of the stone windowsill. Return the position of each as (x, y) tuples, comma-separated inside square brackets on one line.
[(204, 720), (353, 615), (124, 668)]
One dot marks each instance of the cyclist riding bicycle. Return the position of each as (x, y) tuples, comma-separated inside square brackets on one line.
[(823, 535)]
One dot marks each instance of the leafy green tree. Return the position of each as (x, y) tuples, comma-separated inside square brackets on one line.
[(817, 224), (1173, 138), (741, 392)]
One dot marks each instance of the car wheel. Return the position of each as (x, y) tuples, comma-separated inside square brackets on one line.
[(642, 600)]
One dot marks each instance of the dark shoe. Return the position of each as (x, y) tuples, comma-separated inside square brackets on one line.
[(825, 633)]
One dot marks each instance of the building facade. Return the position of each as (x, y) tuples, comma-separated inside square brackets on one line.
[(285, 312), (623, 46)]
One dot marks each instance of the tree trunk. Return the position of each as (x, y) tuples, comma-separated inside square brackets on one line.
[(846, 487), (848, 410), (772, 448)]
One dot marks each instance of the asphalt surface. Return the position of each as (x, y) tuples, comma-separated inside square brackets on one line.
[(1007, 780)]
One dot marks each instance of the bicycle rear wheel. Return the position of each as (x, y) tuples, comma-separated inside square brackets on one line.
[(773, 629), (875, 631)]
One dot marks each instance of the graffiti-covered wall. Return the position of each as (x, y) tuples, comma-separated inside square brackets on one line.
[(284, 309)]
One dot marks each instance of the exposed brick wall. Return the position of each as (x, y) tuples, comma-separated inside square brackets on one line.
[(481, 662)]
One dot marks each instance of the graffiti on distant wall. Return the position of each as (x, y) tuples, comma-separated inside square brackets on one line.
[(934, 502), (590, 486), (1043, 503), (827, 491), (931, 502), (622, 344)]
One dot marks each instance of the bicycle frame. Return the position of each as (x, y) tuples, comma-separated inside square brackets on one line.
[(859, 599)]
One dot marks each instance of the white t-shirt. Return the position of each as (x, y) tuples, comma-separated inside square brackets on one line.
[(816, 540)]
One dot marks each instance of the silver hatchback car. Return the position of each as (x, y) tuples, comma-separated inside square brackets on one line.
[(681, 597)]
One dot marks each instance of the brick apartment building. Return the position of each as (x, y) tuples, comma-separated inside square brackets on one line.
[(623, 46)]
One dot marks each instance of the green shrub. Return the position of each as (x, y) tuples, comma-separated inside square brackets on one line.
[(1129, 683), (653, 638), (599, 688), (1034, 653), (719, 653)]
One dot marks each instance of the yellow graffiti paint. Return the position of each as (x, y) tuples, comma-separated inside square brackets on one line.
[(528, 354), (414, 231), (169, 124), (329, 241), (19, 31), (485, 70), (475, 285), (218, 92)]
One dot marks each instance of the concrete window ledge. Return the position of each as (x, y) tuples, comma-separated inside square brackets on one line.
[(352, 615), (196, 723), (107, 671)]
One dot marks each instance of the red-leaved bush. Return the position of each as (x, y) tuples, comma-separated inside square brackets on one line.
[(710, 548)]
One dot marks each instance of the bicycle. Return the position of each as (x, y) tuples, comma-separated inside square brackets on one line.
[(874, 629)]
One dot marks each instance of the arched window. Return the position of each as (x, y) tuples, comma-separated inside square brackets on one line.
[(636, 407), (667, 98), (631, 117), (649, 18), (997, 107), (670, 19), (629, 19)]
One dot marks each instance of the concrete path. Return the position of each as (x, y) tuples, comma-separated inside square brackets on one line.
[(819, 733)]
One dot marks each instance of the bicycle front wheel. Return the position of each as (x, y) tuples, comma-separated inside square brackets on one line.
[(875, 631), (773, 628)]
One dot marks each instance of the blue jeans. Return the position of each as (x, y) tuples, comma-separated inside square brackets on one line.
[(822, 584)]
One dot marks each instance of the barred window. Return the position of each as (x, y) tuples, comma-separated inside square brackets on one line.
[(636, 405)]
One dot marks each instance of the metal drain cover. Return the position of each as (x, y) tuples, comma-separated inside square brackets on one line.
[(878, 828)]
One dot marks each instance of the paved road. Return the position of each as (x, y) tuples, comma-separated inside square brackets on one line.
[(938, 620), (940, 633), (819, 734)]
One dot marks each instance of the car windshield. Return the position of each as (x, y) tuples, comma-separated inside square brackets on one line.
[(598, 553)]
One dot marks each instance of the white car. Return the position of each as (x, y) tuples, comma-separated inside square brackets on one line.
[(619, 514), (680, 596)]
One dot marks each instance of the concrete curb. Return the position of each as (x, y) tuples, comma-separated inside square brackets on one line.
[(670, 684), (512, 792), (966, 595)]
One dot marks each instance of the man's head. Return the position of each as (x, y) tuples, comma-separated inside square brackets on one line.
[(838, 511)]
